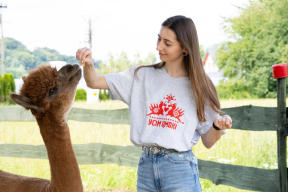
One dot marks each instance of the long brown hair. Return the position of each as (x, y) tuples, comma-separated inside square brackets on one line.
[(203, 88)]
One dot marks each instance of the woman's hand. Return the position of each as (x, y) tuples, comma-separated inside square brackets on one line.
[(223, 122), (84, 55)]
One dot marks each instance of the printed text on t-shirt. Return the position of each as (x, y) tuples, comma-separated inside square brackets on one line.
[(166, 113)]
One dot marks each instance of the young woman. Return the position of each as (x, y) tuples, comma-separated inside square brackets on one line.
[(172, 104)]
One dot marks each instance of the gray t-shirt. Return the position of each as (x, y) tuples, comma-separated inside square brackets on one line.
[(162, 108)]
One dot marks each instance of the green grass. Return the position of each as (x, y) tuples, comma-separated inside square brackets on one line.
[(247, 148)]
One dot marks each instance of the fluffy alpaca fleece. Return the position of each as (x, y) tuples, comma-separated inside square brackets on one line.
[(49, 95)]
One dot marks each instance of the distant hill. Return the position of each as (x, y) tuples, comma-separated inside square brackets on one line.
[(19, 60)]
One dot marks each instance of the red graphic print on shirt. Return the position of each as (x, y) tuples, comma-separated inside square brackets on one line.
[(165, 114)]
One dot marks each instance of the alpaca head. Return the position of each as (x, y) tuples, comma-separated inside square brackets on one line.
[(48, 92)]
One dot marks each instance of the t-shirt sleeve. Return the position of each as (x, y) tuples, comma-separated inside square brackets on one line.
[(120, 85), (204, 127)]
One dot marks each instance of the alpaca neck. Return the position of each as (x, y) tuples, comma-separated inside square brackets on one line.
[(65, 174)]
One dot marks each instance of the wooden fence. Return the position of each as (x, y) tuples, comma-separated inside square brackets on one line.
[(249, 118)]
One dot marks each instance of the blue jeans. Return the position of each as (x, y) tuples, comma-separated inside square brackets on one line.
[(168, 172)]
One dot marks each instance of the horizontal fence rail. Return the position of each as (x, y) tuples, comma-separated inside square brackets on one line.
[(241, 177), (250, 118)]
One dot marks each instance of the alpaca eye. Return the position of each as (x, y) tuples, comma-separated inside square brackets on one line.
[(52, 91)]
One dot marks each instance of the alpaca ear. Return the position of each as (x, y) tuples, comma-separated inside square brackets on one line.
[(23, 78), (25, 102)]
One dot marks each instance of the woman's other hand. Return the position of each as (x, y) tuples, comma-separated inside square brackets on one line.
[(223, 122)]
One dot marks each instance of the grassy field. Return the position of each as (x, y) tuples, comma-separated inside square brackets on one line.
[(247, 148)]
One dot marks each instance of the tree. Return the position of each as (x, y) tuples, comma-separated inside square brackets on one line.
[(202, 52), (45, 55), (258, 39), (18, 57), (150, 59), (116, 64), (101, 98), (12, 44), (108, 96), (80, 95), (105, 95), (1, 90), (7, 86)]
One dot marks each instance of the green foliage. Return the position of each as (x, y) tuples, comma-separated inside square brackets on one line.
[(11, 44), (17, 72), (115, 64), (150, 59), (100, 95), (258, 41), (1, 90), (232, 89), (121, 63), (202, 52), (108, 96), (19, 60), (81, 95), (7, 85), (45, 55), (104, 95), (17, 57)]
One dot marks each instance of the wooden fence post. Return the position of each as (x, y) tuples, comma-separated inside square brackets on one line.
[(280, 72)]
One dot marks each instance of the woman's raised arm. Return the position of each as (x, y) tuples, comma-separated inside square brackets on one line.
[(92, 78)]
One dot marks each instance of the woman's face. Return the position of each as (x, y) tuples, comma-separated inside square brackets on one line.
[(169, 48)]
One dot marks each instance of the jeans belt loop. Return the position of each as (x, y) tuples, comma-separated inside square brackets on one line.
[(153, 150), (156, 150), (145, 150)]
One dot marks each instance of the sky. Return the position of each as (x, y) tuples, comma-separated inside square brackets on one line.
[(131, 26)]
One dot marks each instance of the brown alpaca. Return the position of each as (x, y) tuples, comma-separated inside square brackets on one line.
[(49, 95)]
